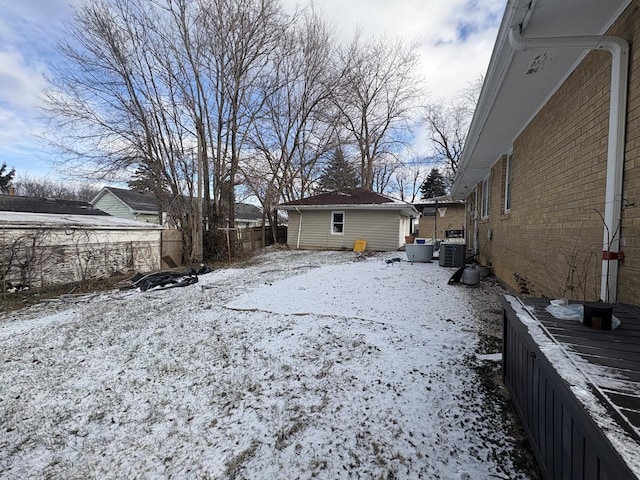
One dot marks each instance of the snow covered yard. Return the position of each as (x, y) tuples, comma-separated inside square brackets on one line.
[(299, 365)]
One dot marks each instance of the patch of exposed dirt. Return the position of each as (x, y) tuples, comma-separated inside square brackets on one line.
[(15, 301), (485, 300), (26, 298)]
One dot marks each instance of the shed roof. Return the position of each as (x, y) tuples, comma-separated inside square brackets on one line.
[(519, 83), (354, 198), (16, 203), (29, 220)]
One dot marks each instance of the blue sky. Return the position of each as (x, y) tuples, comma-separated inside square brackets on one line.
[(455, 37), (27, 39)]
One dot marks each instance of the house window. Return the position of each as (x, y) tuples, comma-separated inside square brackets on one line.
[(507, 184), (485, 198), (337, 223)]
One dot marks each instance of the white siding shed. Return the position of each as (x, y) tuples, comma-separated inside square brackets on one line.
[(38, 249)]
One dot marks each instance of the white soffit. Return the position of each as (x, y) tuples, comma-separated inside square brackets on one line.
[(518, 84)]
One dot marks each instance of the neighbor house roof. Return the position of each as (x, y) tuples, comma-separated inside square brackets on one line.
[(246, 211), (16, 203), (138, 202), (519, 83), (355, 198)]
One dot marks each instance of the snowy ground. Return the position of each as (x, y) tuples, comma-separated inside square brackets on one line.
[(299, 365)]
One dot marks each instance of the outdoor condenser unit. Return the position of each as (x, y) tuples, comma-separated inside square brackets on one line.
[(452, 254)]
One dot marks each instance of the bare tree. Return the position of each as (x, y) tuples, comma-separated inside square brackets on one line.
[(383, 173), (407, 180), (114, 106), (376, 98), (293, 130), (243, 36), (448, 124), (29, 186), (199, 96), (221, 52), (167, 88)]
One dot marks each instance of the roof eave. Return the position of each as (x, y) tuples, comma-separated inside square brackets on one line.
[(407, 209), (496, 123)]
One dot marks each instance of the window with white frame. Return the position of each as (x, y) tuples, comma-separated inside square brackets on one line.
[(337, 223), (507, 184), (485, 197)]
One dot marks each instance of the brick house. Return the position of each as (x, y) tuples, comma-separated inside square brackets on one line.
[(441, 218), (550, 172)]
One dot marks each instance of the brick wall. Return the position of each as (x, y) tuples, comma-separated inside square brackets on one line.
[(453, 219), (629, 273), (550, 243)]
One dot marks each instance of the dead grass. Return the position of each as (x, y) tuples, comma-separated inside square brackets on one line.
[(234, 465), (15, 301)]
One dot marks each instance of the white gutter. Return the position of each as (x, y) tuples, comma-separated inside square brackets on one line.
[(406, 207), (619, 49), (299, 228)]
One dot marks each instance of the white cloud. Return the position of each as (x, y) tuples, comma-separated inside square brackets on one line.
[(19, 84), (455, 37), (27, 37), (455, 42)]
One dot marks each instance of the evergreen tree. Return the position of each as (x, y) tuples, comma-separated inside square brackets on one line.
[(434, 185), (142, 179), (338, 174), (6, 178)]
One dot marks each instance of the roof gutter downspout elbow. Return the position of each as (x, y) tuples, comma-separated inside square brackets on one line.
[(619, 49)]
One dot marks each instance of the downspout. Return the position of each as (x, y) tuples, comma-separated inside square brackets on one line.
[(299, 228), (619, 49)]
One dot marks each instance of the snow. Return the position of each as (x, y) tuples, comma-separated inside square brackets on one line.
[(582, 377), (297, 365), (491, 357), (42, 220)]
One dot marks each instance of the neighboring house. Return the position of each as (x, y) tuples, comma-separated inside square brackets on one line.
[(128, 204), (44, 241), (247, 216), (336, 220), (550, 171), (143, 207), (441, 218)]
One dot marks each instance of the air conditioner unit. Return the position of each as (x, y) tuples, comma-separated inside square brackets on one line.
[(452, 254)]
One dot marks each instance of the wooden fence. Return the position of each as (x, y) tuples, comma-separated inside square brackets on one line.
[(250, 239), (244, 240), (171, 248)]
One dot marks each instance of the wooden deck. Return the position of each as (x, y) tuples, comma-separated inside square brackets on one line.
[(569, 439)]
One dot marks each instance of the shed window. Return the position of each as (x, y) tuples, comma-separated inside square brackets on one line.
[(337, 223), (485, 198)]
